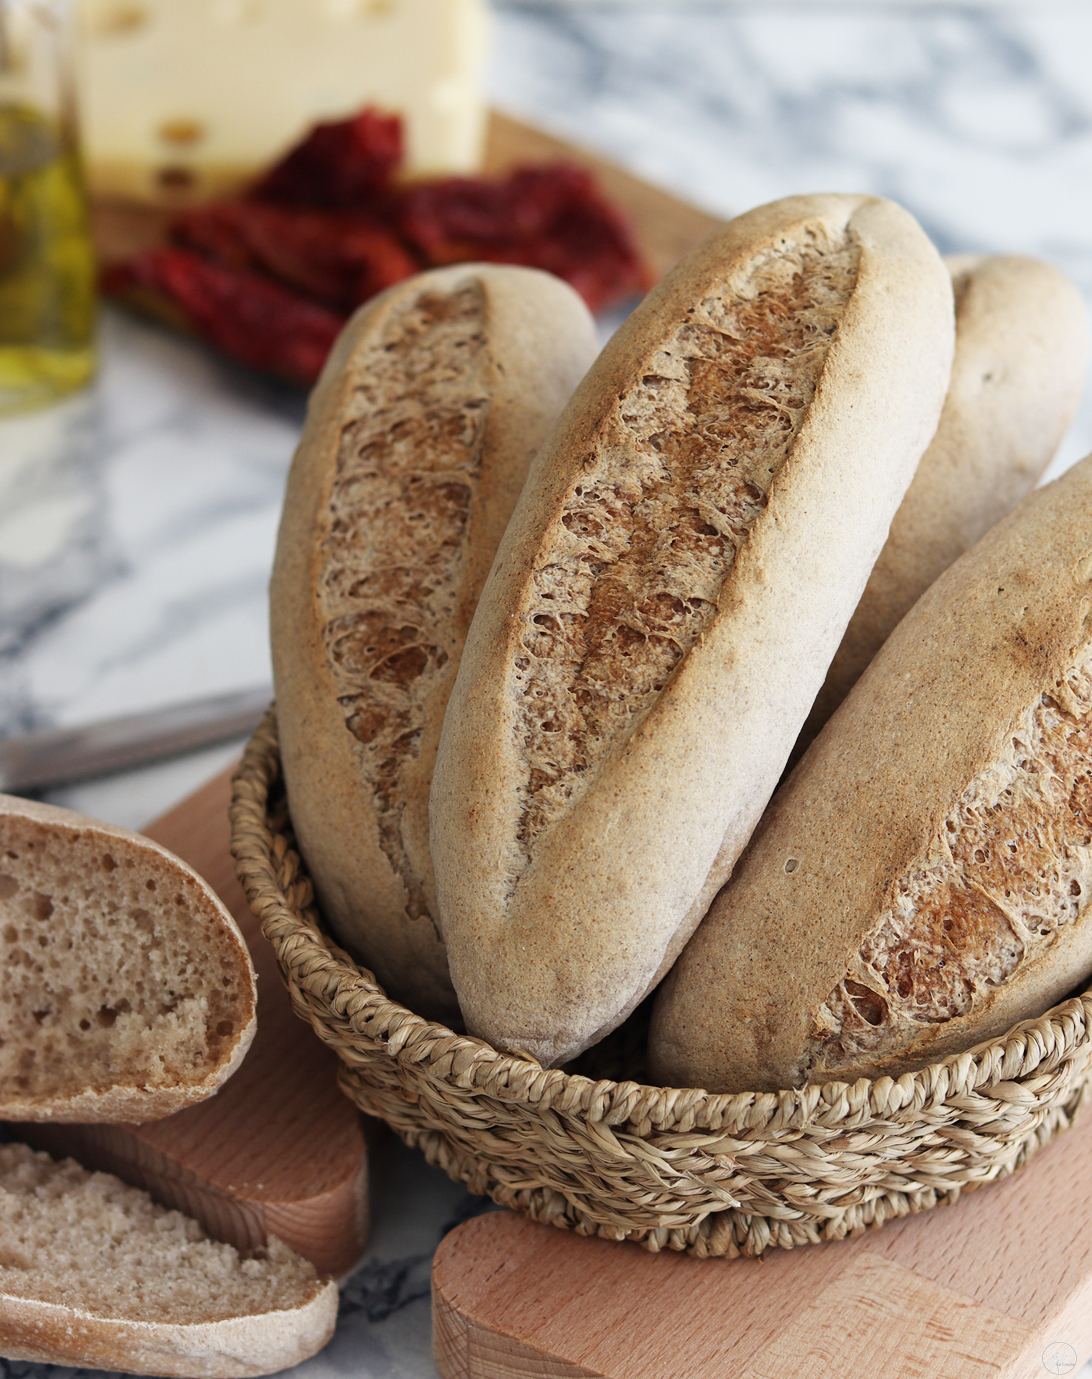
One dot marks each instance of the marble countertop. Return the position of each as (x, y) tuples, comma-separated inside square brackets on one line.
[(137, 520)]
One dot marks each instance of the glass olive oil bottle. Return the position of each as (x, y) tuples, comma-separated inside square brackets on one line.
[(47, 268)]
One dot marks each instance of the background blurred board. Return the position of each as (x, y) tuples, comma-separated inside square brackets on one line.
[(664, 227)]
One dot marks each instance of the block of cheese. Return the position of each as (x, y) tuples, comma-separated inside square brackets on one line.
[(182, 99)]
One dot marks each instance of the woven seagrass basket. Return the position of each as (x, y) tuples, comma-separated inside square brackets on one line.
[(671, 1168)]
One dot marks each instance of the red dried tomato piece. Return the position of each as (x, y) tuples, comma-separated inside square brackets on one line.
[(275, 274), (334, 258), (342, 164), (552, 218), (251, 318)]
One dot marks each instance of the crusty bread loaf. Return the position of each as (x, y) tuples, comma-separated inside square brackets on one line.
[(128, 989), (416, 446), (93, 1273), (921, 881), (1020, 359), (676, 577)]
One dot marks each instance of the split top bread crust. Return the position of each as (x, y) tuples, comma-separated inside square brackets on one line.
[(417, 443), (128, 990), (690, 544), (1021, 355), (921, 882)]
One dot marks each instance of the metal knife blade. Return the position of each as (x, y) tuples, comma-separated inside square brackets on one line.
[(58, 755)]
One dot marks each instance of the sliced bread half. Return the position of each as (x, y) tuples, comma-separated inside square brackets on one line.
[(94, 1273), (128, 990)]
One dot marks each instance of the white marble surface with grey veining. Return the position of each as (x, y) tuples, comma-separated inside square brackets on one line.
[(137, 521)]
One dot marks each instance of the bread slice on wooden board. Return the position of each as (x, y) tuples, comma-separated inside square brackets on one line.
[(678, 573), (921, 881), (417, 442), (93, 1273), (1021, 356), (280, 1149), (128, 990)]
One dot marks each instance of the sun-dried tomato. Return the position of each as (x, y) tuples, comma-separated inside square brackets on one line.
[(544, 217), (253, 319), (335, 258), (270, 277), (344, 164)]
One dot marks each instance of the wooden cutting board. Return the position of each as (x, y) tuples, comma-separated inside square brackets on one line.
[(279, 1150), (998, 1286)]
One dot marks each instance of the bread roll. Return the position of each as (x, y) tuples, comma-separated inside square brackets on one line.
[(677, 575), (417, 442), (94, 1274), (1020, 359), (128, 990), (921, 881)]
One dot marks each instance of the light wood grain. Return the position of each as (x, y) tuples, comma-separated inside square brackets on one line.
[(963, 1292), (279, 1150)]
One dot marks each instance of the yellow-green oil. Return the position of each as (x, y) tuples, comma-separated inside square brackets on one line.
[(47, 266)]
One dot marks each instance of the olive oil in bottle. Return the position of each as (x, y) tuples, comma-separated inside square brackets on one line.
[(47, 269)]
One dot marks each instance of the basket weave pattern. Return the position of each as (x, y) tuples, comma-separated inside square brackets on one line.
[(671, 1168)]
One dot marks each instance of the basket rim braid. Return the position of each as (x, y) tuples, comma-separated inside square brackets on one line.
[(668, 1167)]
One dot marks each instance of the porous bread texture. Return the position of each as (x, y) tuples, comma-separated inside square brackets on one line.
[(94, 1273), (628, 580), (395, 548), (921, 882), (1011, 865), (128, 990), (1021, 356), (416, 446), (690, 544)]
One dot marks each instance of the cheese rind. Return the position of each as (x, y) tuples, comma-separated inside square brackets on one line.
[(186, 98)]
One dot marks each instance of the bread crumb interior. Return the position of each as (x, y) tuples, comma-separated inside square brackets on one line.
[(112, 973), (90, 1242)]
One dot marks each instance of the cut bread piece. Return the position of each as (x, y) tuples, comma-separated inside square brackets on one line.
[(94, 1273), (691, 542), (128, 989)]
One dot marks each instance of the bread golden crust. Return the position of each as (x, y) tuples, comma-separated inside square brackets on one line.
[(920, 883), (1017, 376), (233, 1348), (129, 991), (676, 576), (416, 446)]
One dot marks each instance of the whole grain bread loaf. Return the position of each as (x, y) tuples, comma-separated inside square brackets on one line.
[(1021, 355), (664, 605), (417, 442), (921, 881), (128, 991), (94, 1274)]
